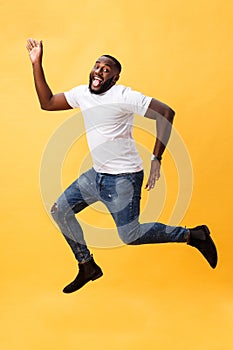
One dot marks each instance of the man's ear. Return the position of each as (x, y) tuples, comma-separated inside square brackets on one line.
[(116, 77)]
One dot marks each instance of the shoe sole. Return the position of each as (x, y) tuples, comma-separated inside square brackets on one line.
[(207, 232), (97, 276), (75, 289)]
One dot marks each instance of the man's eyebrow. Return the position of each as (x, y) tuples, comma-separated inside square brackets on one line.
[(106, 64)]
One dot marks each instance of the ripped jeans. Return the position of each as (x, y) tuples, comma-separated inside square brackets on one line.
[(121, 194)]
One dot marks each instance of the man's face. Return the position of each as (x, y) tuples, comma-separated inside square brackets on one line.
[(103, 75)]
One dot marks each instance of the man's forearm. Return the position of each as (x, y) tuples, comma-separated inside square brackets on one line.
[(163, 128), (43, 90)]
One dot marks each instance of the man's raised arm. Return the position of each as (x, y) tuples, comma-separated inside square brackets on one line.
[(48, 101)]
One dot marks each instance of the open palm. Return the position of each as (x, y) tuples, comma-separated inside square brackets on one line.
[(35, 49)]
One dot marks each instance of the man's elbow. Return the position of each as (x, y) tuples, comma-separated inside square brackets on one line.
[(170, 114), (46, 107), (47, 104)]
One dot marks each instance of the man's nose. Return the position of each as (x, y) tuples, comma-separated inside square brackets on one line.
[(98, 70)]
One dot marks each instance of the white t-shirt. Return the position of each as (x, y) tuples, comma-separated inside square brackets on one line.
[(108, 119)]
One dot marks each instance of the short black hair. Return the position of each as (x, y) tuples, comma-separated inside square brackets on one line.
[(117, 63)]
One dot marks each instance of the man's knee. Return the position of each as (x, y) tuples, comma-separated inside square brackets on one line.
[(129, 238), (53, 209), (130, 233), (61, 211), (54, 212)]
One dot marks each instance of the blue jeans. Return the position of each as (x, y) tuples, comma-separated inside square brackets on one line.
[(121, 194)]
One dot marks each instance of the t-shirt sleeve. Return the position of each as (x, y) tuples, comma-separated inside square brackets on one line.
[(136, 101), (72, 97)]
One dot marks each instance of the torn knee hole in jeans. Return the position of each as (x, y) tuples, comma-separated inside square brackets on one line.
[(54, 208)]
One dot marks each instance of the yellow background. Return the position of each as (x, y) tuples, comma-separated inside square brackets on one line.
[(165, 296)]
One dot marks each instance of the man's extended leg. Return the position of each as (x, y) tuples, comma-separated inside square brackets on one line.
[(76, 197), (125, 209)]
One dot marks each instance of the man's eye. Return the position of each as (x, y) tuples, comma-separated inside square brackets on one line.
[(106, 70)]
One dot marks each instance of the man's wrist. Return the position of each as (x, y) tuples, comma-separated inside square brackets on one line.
[(154, 157), (38, 62)]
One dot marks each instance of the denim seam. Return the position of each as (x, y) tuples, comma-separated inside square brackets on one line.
[(70, 231)]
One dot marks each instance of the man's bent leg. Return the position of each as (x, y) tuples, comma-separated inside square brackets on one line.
[(198, 237), (132, 232), (77, 197), (124, 206)]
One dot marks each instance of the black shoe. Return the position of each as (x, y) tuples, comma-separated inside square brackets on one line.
[(199, 238), (88, 271)]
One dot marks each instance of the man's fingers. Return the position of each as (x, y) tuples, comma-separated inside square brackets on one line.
[(149, 187), (28, 46), (31, 43), (150, 184), (154, 175)]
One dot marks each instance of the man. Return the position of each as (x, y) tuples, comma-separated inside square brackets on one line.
[(117, 174)]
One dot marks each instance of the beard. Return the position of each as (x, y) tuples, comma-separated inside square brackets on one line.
[(106, 86)]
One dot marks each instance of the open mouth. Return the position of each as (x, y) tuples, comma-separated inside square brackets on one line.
[(96, 82)]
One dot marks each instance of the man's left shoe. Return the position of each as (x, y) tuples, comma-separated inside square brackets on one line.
[(88, 271), (199, 237)]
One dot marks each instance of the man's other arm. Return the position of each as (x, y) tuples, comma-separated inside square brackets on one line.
[(47, 100), (164, 116)]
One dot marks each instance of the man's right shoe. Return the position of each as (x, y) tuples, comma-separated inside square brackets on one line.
[(199, 237), (88, 271)]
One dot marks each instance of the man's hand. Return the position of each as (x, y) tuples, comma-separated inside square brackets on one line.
[(154, 174), (35, 49)]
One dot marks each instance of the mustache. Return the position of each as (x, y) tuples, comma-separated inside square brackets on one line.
[(106, 85)]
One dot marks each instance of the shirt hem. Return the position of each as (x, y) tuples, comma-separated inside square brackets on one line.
[(118, 172)]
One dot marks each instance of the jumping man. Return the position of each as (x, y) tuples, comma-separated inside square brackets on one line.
[(117, 173)]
